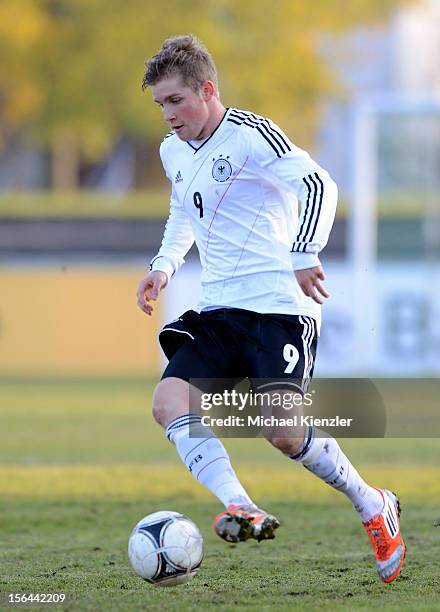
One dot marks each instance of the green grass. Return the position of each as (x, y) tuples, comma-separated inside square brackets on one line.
[(320, 559), (82, 461)]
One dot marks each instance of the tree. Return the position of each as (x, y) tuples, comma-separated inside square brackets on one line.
[(73, 68)]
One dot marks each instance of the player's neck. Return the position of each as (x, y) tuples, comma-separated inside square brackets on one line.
[(216, 114)]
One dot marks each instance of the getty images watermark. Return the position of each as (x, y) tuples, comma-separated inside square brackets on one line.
[(280, 404), (343, 407)]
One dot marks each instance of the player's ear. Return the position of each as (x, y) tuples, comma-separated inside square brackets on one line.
[(208, 90)]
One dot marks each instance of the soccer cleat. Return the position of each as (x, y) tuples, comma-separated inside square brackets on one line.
[(239, 523), (384, 533)]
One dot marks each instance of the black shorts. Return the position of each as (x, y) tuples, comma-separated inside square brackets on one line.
[(230, 343)]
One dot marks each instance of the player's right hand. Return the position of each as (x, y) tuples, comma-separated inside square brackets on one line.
[(149, 289)]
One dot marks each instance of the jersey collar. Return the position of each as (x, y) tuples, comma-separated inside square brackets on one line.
[(214, 133)]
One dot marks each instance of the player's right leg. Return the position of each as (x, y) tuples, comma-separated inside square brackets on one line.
[(198, 346), (206, 458), (202, 453)]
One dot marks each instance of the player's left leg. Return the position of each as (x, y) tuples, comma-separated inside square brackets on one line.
[(378, 509), (323, 457)]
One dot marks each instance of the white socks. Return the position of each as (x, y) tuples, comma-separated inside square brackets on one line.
[(324, 458), (206, 458)]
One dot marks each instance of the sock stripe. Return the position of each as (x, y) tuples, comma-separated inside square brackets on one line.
[(177, 428), (184, 417), (308, 439), (183, 422), (202, 460), (210, 463), (340, 487), (194, 448), (180, 423), (327, 461), (327, 476)]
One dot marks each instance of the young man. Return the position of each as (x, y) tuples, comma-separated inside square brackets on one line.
[(236, 181)]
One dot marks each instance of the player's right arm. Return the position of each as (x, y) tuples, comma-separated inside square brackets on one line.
[(176, 242), (149, 289)]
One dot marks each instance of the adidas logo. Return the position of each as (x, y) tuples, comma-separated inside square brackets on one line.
[(178, 178)]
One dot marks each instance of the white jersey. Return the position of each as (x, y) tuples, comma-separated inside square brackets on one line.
[(236, 195)]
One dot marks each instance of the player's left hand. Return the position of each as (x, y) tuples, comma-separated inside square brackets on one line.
[(310, 282)]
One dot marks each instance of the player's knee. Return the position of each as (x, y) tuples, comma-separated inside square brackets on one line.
[(169, 400), (162, 404), (288, 446)]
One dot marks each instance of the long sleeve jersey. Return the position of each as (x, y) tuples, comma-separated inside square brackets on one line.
[(237, 195)]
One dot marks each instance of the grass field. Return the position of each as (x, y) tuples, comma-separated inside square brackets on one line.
[(82, 461)]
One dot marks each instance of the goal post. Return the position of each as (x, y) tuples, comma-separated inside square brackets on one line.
[(419, 121)]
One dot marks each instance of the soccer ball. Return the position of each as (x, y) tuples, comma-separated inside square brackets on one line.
[(165, 548)]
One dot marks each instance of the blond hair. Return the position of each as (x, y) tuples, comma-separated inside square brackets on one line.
[(185, 56)]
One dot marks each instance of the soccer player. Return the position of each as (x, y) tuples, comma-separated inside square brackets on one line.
[(236, 180)]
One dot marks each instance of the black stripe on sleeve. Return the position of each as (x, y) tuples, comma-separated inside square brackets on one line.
[(236, 122), (273, 137), (275, 131), (250, 118), (312, 235), (312, 211), (155, 259), (268, 140), (268, 137), (296, 245)]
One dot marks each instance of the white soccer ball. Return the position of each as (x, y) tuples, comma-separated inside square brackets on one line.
[(165, 548)]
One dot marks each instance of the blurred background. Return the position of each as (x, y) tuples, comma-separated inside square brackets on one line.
[(83, 203), (83, 198)]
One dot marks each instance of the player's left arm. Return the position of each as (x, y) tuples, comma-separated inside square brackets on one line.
[(294, 170), (318, 195), (309, 279)]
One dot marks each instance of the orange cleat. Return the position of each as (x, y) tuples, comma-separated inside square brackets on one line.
[(239, 523), (384, 533)]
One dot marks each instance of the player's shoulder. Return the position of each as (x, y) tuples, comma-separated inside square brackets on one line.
[(169, 146), (261, 131), (169, 140), (243, 117), (248, 120)]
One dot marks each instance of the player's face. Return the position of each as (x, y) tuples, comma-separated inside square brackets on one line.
[(185, 111)]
